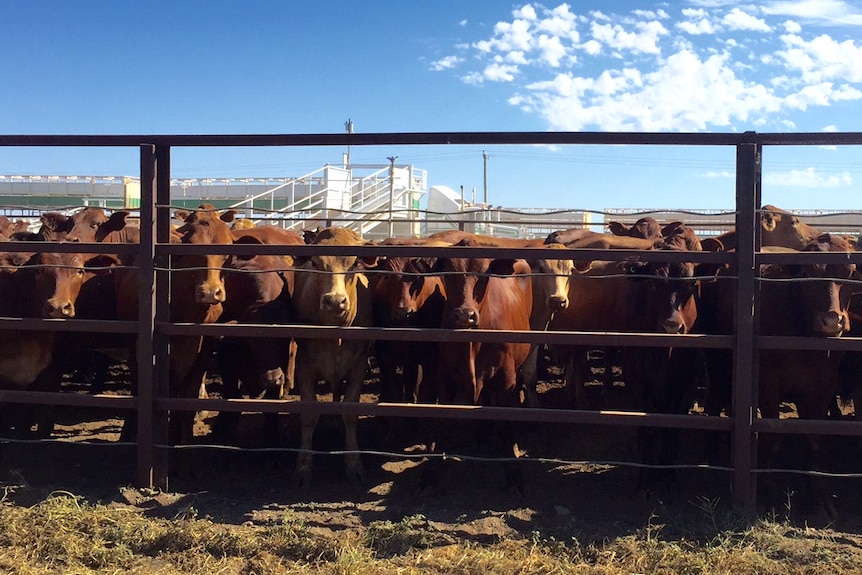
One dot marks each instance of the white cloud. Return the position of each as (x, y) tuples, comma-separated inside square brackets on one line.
[(642, 40), (823, 58), (736, 19), (446, 63), (712, 65), (807, 178), (462, 23), (822, 11), (721, 174)]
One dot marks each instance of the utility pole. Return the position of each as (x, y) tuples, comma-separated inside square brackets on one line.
[(391, 194), (348, 127), (485, 157)]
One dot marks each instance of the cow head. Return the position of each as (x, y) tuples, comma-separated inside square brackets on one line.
[(336, 276), (662, 296), (646, 228), (551, 279), (465, 281), (57, 280), (80, 227), (781, 228), (825, 292), (205, 226)]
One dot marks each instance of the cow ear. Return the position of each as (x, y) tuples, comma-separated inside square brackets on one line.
[(618, 229), (103, 262), (583, 266), (53, 221), (247, 240), (672, 228), (712, 245), (228, 216), (502, 267), (182, 215), (423, 265)]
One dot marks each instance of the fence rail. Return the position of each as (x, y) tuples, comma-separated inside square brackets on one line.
[(151, 405)]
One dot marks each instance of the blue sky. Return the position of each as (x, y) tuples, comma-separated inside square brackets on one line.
[(217, 67)]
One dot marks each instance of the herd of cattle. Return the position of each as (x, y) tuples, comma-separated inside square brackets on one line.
[(555, 291)]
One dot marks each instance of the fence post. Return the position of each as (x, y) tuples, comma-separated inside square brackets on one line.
[(152, 352), (744, 441)]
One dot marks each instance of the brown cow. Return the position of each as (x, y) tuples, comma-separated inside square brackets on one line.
[(779, 228), (404, 298), (260, 288), (79, 227), (46, 286), (550, 277), (197, 293), (476, 373), (795, 300), (331, 290)]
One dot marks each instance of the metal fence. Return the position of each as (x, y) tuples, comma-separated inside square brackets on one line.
[(151, 404)]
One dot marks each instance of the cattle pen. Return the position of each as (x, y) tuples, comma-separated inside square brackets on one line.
[(151, 404)]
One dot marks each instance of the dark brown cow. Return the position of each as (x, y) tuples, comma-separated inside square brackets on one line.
[(646, 228), (404, 298), (331, 291), (493, 294), (46, 286), (260, 288)]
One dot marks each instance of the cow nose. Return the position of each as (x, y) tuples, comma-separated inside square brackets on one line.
[(210, 295), (556, 302), (673, 326), (54, 311), (334, 302), (829, 323), (466, 318)]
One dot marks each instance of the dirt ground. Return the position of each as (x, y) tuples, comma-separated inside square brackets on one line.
[(582, 493)]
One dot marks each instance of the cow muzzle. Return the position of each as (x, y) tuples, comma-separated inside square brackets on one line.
[(210, 294), (334, 303), (557, 302), (465, 318), (830, 324), (54, 309), (674, 326)]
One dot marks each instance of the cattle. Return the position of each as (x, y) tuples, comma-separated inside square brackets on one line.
[(331, 290), (808, 300), (260, 288), (778, 228), (47, 285), (568, 236), (404, 298), (645, 228), (8, 228), (492, 294), (79, 227), (662, 297), (197, 293), (269, 235), (550, 277)]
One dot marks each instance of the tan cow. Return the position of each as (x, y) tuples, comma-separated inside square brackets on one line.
[(331, 290)]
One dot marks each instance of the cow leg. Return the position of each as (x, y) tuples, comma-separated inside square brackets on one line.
[(528, 375), (307, 382), (352, 460)]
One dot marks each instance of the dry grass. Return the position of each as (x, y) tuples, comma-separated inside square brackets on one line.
[(63, 534)]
